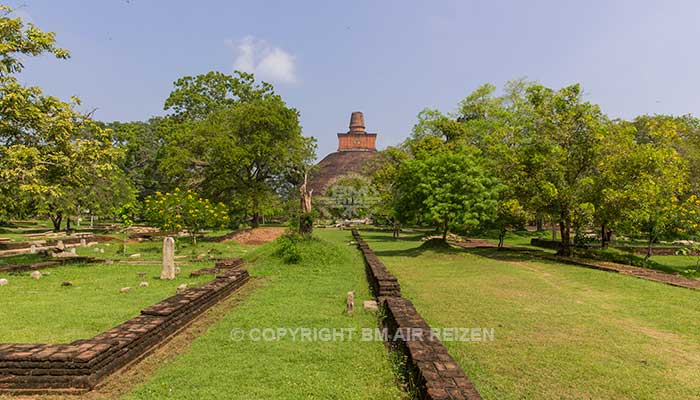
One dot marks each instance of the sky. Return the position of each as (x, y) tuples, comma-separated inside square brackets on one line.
[(388, 59)]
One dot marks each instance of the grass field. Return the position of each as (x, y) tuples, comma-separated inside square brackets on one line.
[(562, 332), (310, 294), (43, 311)]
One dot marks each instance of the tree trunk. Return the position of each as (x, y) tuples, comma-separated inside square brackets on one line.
[(650, 247), (68, 224), (306, 223), (604, 238), (565, 229), (444, 230), (554, 231), (501, 237), (56, 221), (539, 223), (255, 222)]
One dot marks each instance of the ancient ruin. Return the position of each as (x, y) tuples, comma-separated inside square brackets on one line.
[(355, 148)]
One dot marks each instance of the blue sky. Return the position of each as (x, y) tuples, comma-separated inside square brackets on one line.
[(389, 59)]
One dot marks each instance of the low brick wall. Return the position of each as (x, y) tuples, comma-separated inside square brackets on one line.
[(382, 282), (434, 373), (14, 268), (53, 242), (221, 265), (77, 367)]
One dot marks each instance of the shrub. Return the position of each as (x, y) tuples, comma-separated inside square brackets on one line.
[(184, 210), (288, 248)]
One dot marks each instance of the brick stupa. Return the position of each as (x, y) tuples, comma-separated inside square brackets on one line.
[(355, 148)]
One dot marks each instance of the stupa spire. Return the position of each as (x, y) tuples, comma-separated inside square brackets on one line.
[(357, 122)]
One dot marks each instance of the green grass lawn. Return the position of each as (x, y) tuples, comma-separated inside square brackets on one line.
[(310, 294), (43, 311), (561, 332), (678, 263)]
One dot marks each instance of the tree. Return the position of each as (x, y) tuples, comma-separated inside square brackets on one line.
[(509, 215), (195, 98), (243, 153), (385, 167), (142, 145), (50, 154), (559, 151), (448, 188), (660, 184), (18, 39)]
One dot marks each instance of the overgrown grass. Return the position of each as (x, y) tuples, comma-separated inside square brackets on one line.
[(310, 294), (561, 331)]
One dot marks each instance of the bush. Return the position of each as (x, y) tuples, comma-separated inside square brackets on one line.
[(288, 248), (184, 210)]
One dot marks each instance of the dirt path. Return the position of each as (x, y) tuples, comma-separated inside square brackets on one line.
[(254, 236)]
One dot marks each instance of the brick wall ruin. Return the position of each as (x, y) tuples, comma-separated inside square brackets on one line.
[(435, 374), (79, 366)]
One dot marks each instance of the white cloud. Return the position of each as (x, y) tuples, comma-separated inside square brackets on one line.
[(267, 62)]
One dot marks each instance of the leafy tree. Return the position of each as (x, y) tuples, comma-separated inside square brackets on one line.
[(659, 186), (195, 98), (448, 188), (52, 158), (559, 152), (18, 39), (142, 144), (385, 167), (510, 215), (180, 210), (245, 152)]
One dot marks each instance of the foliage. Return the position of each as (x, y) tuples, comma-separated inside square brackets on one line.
[(510, 215), (180, 210), (141, 143), (53, 159), (18, 39), (288, 248), (242, 145), (195, 98), (450, 189)]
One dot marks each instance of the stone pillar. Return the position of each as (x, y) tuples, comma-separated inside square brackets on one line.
[(168, 271)]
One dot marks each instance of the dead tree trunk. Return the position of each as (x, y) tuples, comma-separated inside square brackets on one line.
[(306, 224)]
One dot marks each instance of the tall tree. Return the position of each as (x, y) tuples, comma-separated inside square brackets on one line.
[(559, 152), (244, 151), (51, 156), (448, 188)]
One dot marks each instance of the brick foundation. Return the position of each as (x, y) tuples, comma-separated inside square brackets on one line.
[(14, 268), (79, 366), (221, 265), (435, 374)]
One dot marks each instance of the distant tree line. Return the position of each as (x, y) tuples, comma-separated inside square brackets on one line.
[(535, 155)]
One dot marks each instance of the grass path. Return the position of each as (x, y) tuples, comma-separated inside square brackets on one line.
[(562, 332), (310, 294)]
